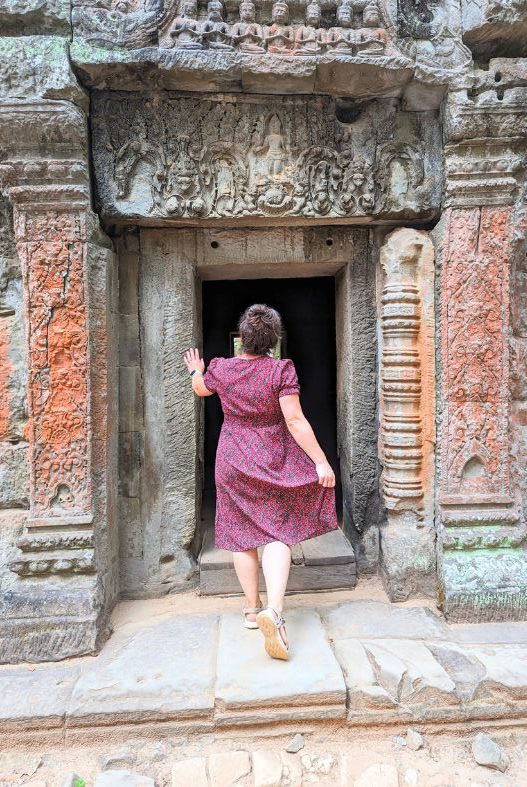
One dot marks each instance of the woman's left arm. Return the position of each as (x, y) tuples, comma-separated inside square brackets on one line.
[(193, 361)]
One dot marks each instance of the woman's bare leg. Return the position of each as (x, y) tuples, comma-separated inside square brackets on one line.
[(246, 566), (276, 562)]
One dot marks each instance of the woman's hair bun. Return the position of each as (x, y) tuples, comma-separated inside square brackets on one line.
[(259, 314), (260, 327)]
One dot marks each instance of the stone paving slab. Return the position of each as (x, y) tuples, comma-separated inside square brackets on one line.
[(371, 619), (31, 698), (488, 633), (427, 679), (252, 688), (163, 671)]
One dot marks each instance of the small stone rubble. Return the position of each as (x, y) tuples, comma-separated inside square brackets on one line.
[(487, 752), (332, 757)]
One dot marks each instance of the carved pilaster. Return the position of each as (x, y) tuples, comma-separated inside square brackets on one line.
[(482, 561), (407, 379), (407, 411), (64, 273)]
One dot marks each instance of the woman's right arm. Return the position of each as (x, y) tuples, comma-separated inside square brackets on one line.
[(302, 432)]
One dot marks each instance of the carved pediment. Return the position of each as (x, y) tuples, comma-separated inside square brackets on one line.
[(192, 160)]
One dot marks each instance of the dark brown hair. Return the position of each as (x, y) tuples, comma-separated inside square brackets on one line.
[(260, 328)]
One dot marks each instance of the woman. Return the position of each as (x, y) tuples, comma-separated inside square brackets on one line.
[(274, 485)]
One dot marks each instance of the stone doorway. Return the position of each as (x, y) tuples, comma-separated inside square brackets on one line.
[(163, 462)]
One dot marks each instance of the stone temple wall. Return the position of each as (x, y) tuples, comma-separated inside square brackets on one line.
[(404, 117)]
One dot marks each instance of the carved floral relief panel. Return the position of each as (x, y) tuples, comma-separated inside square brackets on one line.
[(195, 159), (51, 245), (475, 294)]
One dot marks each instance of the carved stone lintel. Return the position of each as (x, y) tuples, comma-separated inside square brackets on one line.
[(407, 371), (257, 159)]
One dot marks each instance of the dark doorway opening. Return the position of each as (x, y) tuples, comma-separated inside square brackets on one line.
[(307, 306)]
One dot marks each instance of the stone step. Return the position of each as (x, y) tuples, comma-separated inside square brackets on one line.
[(326, 562), (251, 688)]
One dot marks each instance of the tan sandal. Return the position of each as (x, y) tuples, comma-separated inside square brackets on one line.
[(270, 622), (251, 624)]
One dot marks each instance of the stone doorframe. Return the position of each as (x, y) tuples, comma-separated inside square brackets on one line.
[(173, 262)]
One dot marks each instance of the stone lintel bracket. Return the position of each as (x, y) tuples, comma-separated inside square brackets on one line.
[(46, 179), (407, 399), (482, 535)]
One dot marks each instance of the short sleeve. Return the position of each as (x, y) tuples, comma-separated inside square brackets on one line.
[(288, 381), (211, 378)]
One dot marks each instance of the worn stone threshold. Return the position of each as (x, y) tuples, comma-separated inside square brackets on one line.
[(358, 664)]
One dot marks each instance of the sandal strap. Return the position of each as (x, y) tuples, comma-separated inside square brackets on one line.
[(251, 610), (279, 620)]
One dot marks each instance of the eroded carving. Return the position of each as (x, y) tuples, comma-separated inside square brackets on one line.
[(216, 33), (186, 30), (431, 37), (66, 563), (115, 25), (51, 245), (361, 28), (342, 38), (407, 377), (309, 37), (475, 293), (280, 36), (206, 159), (247, 34)]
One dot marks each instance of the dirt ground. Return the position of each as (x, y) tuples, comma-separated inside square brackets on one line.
[(445, 760)]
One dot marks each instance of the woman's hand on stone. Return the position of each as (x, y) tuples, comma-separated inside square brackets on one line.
[(326, 476), (193, 361)]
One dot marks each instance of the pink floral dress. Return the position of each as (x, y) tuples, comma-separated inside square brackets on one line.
[(266, 486)]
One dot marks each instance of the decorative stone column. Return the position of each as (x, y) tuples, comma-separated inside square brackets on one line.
[(407, 400), (482, 558), (67, 581)]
